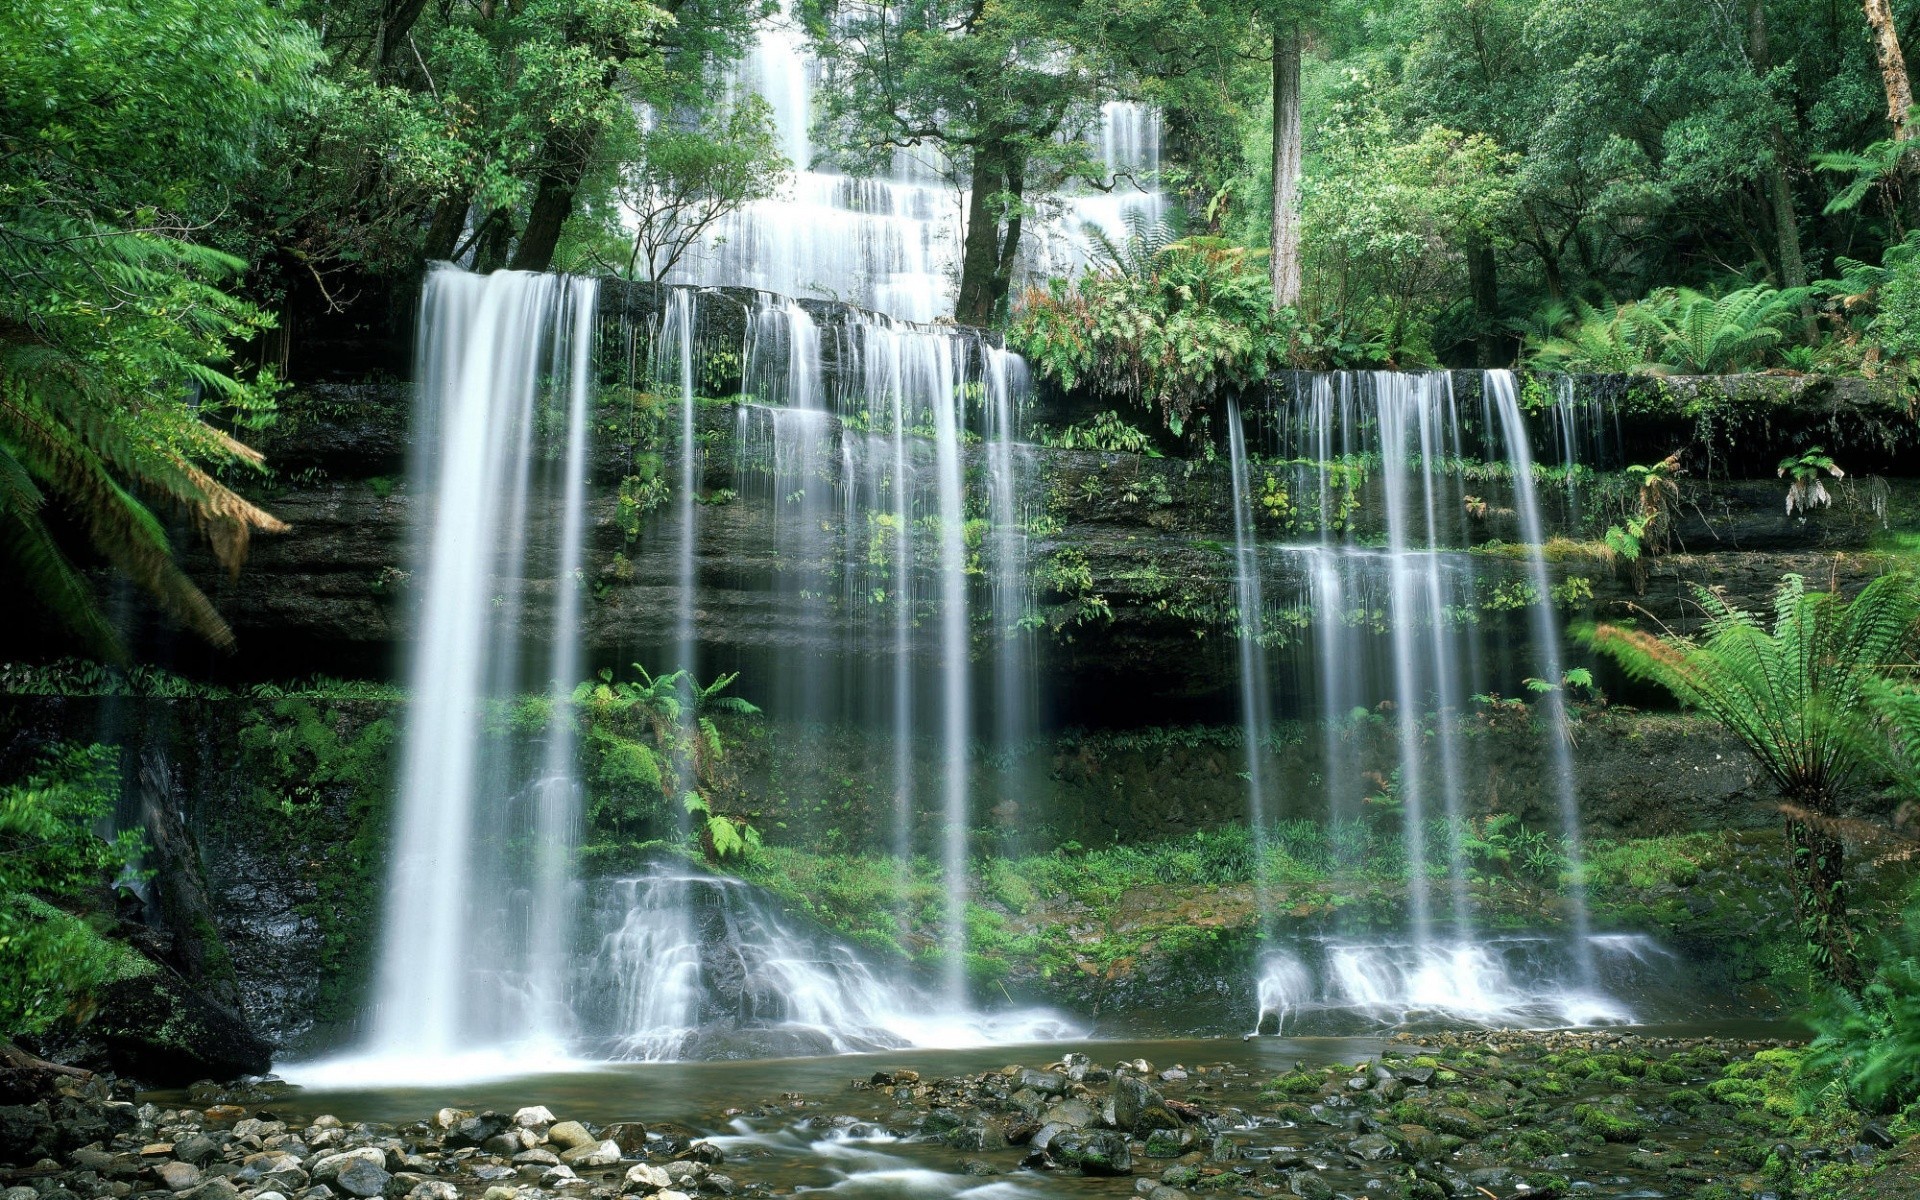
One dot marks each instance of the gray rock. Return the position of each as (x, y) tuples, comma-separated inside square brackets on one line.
[(537, 1157), (195, 1148), (630, 1136), (536, 1118), (362, 1178), (218, 1188), (598, 1154), (1075, 1114), (178, 1176), (646, 1178), (1309, 1186), (432, 1189), (1099, 1152), (571, 1135), (1372, 1147), (1047, 1083)]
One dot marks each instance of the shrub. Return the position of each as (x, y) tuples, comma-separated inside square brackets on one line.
[(51, 959)]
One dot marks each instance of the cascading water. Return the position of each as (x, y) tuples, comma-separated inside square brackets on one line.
[(892, 243), (1383, 468), (1255, 683), (479, 899)]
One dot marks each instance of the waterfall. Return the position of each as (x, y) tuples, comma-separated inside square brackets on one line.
[(1374, 490), (892, 243), (1255, 683), (1502, 396), (474, 928)]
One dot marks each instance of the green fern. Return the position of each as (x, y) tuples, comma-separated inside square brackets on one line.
[(1799, 696)]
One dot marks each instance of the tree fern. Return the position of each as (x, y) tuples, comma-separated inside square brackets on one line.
[(1797, 695)]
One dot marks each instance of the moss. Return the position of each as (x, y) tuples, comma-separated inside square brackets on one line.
[(1610, 1122)]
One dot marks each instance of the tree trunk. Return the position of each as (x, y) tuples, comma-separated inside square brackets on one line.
[(1893, 65), (980, 255), (552, 204), (1010, 243), (491, 242), (1286, 166), (443, 233), (1786, 222), (1820, 886), (183, 901), (1483, 282)]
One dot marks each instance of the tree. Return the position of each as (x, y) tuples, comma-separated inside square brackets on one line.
[(1796, 696), (988, 83), (119, 123), (49, 857), (1285, 246), (685, 180), (1893, 66)]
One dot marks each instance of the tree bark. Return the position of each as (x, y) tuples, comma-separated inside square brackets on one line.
[(1893, 65), (183, 901), (1819, 874), (1483, 282), (491, 242), (1286, 166), (981, 253), (443, 233), (1786, 222), (552, 203)]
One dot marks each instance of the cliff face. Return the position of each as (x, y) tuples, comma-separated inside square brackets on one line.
[(1130, 555)]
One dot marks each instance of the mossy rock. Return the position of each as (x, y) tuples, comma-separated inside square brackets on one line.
[(1610, 1122)]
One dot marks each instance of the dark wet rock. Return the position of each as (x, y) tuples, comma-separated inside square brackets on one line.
[(1308, 1185), (195, 1148), (27, 1133), (1046, 1083), (1372, 1147), (477, 1130), (1075, 1114), (1876, 1134), (1457, 1122), (630, 1136), (1095, 1152)]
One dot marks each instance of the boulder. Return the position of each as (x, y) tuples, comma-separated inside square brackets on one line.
[(27, 1134), (630, 1136), (476, 1131), (536, 1118), (646, 1178), (571, 1135), (1099, 1152), (597, 1154), (362, 1178), (178, 1176)]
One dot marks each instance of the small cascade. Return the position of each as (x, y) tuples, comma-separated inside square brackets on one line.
[(700, 966), (672, 362), (481, 887), (892, 243), (1334, 986)]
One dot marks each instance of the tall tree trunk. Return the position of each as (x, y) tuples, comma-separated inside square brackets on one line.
[(980, 255), (566, 160), (1893, 65), (1010, 243), (1820, 884), (443, 233), (183, 901), (1286, 166), (491, 242), (1483, 283), (1786, 222)]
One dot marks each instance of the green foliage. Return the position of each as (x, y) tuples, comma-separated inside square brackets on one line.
[(49, 855), (1168, 329), (1871, 1043), (659, 750), (1674, 330), (1106, 431), (1802, 471), (1791, 694), (688, 177), (1799, 697), (117, 325)]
